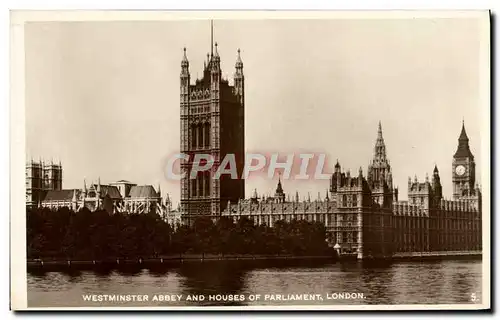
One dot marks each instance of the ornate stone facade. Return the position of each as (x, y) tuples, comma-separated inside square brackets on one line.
[(363, 216), (41, 177), (212, 122), (121, 196)]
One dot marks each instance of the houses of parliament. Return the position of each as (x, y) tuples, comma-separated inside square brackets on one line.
[(361, 212)]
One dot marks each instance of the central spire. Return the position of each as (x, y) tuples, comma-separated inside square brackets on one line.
[(211, 38), (379, 153)]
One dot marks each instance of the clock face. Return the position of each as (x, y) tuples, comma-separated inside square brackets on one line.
[(460, 170)]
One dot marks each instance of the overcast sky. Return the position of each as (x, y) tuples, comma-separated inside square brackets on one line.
[(103, 97)]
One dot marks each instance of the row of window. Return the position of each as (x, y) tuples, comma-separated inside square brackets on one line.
[(204, 109), (200, 187), (349, 201), (345, 237), (200, 135)]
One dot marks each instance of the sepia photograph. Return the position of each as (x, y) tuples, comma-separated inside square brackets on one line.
[(335, 160)]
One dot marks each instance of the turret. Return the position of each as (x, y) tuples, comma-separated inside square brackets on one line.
[(168, 203), (239, 78), (279, 194), (185, 79), (436, 185), (185, 76), (84, 190), (215, 63), (98, 191)]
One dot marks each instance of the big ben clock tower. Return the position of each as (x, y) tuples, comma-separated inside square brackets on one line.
[(464, 168)]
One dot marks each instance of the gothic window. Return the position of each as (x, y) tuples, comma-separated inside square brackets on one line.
[(344, 200), (354, 200), (193, 187), (207, 183), (201, 184), (207, 134), (193, 136), (200, 135)]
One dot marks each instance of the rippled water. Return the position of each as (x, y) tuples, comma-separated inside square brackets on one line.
[(436, 282)]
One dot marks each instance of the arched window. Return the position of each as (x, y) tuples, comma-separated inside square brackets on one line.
[(193, 136), (193, 187), (200, 135), (199, 180), (344, 200), (207, 134), (207, 183)]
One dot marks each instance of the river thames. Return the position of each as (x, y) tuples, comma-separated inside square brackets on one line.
[(223, 283)]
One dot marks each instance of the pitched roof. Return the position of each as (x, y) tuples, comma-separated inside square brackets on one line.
[(61, 195), (463, 150), (107, 190), (463, 134), (143, 192), (111, 191)]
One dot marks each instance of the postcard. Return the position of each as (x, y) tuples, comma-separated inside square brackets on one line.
[(260, 160)]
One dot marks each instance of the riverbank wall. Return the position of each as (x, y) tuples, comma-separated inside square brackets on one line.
[(177, 260), (437, 255), (54, 264)]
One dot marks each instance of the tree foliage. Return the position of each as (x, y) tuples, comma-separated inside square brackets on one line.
[(98, 235)]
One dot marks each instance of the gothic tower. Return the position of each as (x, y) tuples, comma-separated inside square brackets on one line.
[(34, 183), (41, 177), (52, 179), (464, 168), (279, 195), (437, 189), (212, 122), (379, 173)]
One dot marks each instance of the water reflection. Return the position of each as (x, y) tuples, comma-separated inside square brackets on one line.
[(438, 282), (74, 276), (215, 278)]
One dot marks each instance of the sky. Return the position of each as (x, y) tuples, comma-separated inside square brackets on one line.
[(103, 97)]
